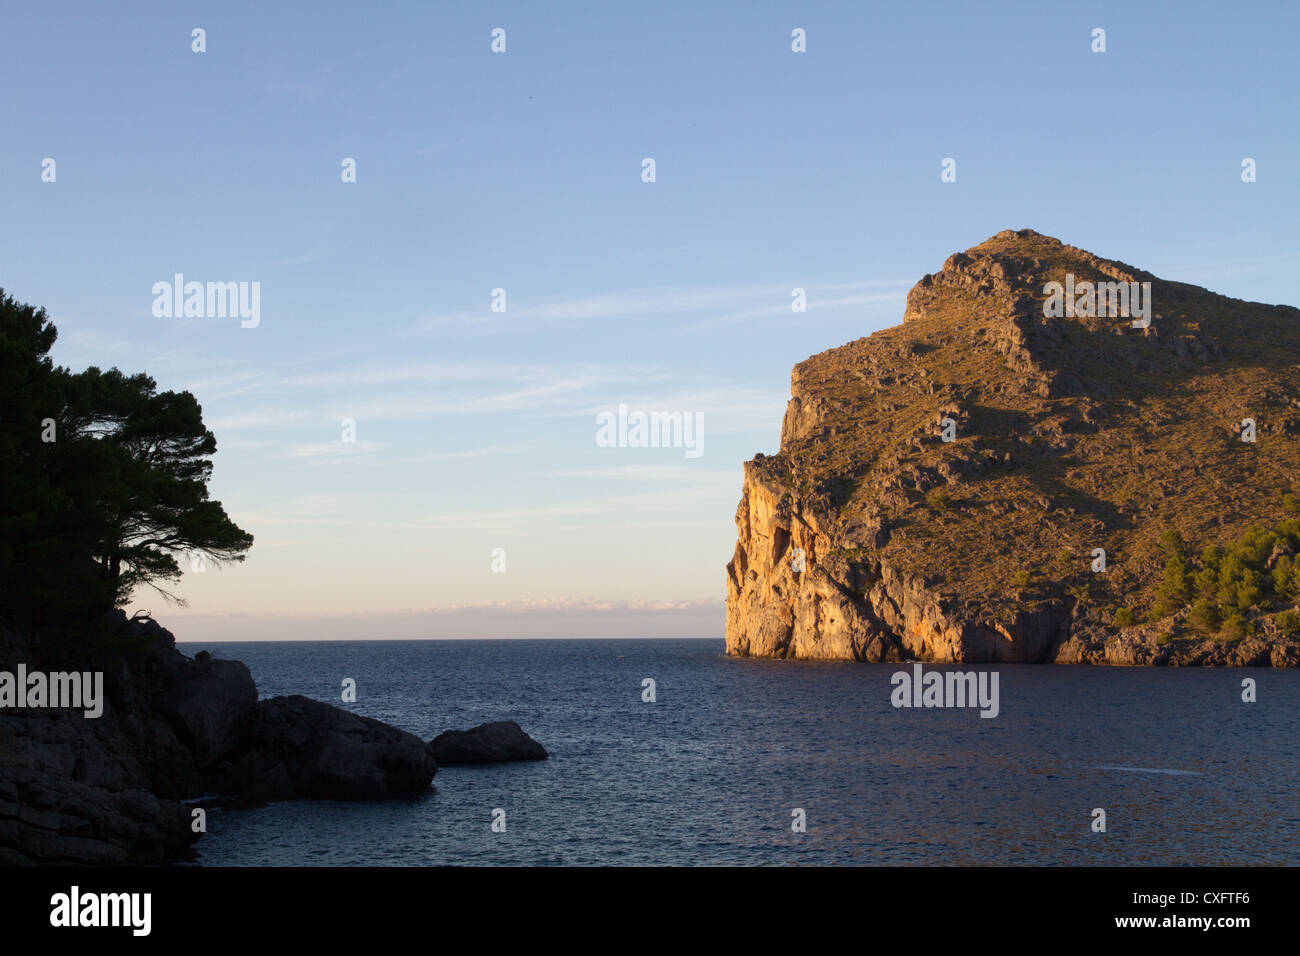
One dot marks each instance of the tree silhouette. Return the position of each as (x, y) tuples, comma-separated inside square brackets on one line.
[(103, 484)]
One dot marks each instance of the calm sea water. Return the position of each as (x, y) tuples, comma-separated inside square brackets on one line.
[(711, 772)]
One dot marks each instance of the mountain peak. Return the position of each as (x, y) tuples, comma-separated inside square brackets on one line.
[(1016, 264), (1037, 400)]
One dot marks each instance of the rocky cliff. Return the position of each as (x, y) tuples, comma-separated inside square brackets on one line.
[(994, 480), (121, 788)]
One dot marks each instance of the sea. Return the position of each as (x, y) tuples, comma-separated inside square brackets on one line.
[(758, 762)]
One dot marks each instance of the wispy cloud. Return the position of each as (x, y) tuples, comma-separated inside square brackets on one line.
[(487, 451), (703, 306), (683, 472), (330, 450), (368, 454), (813, 305), (262, 418), (342, 512), (515, 389), (726, 408), (405, 406)]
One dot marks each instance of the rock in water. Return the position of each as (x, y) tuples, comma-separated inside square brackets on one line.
[(301, 748), (486, 743), (945, 489)]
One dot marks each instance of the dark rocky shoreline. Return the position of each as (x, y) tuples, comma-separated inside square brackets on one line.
[(122, 788)]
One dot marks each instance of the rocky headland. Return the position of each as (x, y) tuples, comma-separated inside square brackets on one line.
[(994, 480)]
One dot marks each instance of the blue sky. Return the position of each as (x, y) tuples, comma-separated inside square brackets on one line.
[(522, 171)]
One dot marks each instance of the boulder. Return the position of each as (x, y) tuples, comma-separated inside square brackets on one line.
[(300, 748), (487, 743), (210, 705)]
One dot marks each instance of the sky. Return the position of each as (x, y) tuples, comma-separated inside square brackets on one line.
[(523, 171)]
